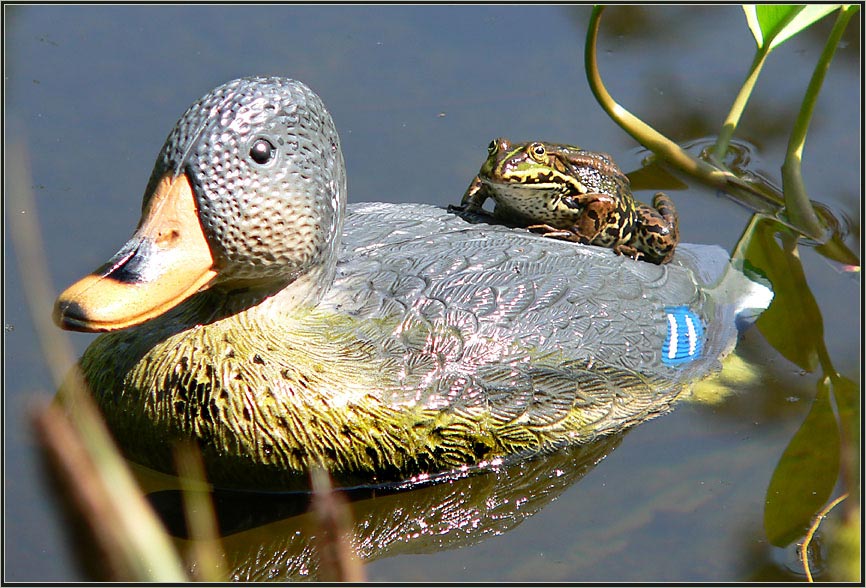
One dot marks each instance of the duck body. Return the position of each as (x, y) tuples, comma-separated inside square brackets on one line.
[(387, 342)]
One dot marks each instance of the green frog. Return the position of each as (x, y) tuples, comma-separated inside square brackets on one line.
[(569, 193)]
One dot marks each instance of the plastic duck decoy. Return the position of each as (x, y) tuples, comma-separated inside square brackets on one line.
[(253, 312)]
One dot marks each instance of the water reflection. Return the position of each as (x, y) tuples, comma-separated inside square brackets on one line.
[(274, 536)]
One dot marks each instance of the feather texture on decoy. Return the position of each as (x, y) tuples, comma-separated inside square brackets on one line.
[(255, 313)]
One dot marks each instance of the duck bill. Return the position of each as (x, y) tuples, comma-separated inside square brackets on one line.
[(165, 262)]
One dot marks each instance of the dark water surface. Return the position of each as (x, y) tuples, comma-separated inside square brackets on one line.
[(417, 93)]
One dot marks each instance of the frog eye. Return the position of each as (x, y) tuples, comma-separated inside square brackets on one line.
[(262, 151), (537, 150), (491, 148)]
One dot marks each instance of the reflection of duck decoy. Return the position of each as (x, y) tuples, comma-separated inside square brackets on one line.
[(427, 520), (402, 341)]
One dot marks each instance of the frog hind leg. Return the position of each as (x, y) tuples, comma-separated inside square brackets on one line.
[(657, 231), (665, 207), (554, 233), (596, 214), (629, 251), (599, 212)]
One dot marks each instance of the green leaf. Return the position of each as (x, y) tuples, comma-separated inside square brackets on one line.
[(773, 24), (763, 19), (792, 324), (806, 473)]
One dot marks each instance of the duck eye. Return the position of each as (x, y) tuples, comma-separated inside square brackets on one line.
[(262, 151)]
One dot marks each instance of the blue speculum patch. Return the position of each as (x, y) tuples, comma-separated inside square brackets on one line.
[(684, 341)]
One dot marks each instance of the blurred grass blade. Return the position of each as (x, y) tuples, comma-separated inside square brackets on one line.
[(199, 513), (805, 475), (773, 24), (140, 542), (87, 490), (337, 560)]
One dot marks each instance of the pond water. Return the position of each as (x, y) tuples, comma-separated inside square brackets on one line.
[(417, 93)]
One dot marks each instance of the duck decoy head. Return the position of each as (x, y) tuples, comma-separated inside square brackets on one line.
[(249, 188)]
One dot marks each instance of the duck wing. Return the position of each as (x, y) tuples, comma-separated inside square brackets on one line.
[(530, 330)]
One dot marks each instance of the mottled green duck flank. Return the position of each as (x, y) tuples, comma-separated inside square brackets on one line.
[(268, 400)]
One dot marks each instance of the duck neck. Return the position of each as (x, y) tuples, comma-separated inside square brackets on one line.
[(305, 291), (307, 287), (272, 299), (301, 287)]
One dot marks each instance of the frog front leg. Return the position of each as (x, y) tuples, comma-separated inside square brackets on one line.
[(657, 230), (473, 199)]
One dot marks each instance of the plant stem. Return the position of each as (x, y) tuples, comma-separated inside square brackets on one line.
[(739, 105), (645, 134), (642, 132), (799, 208), (670, 152)]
